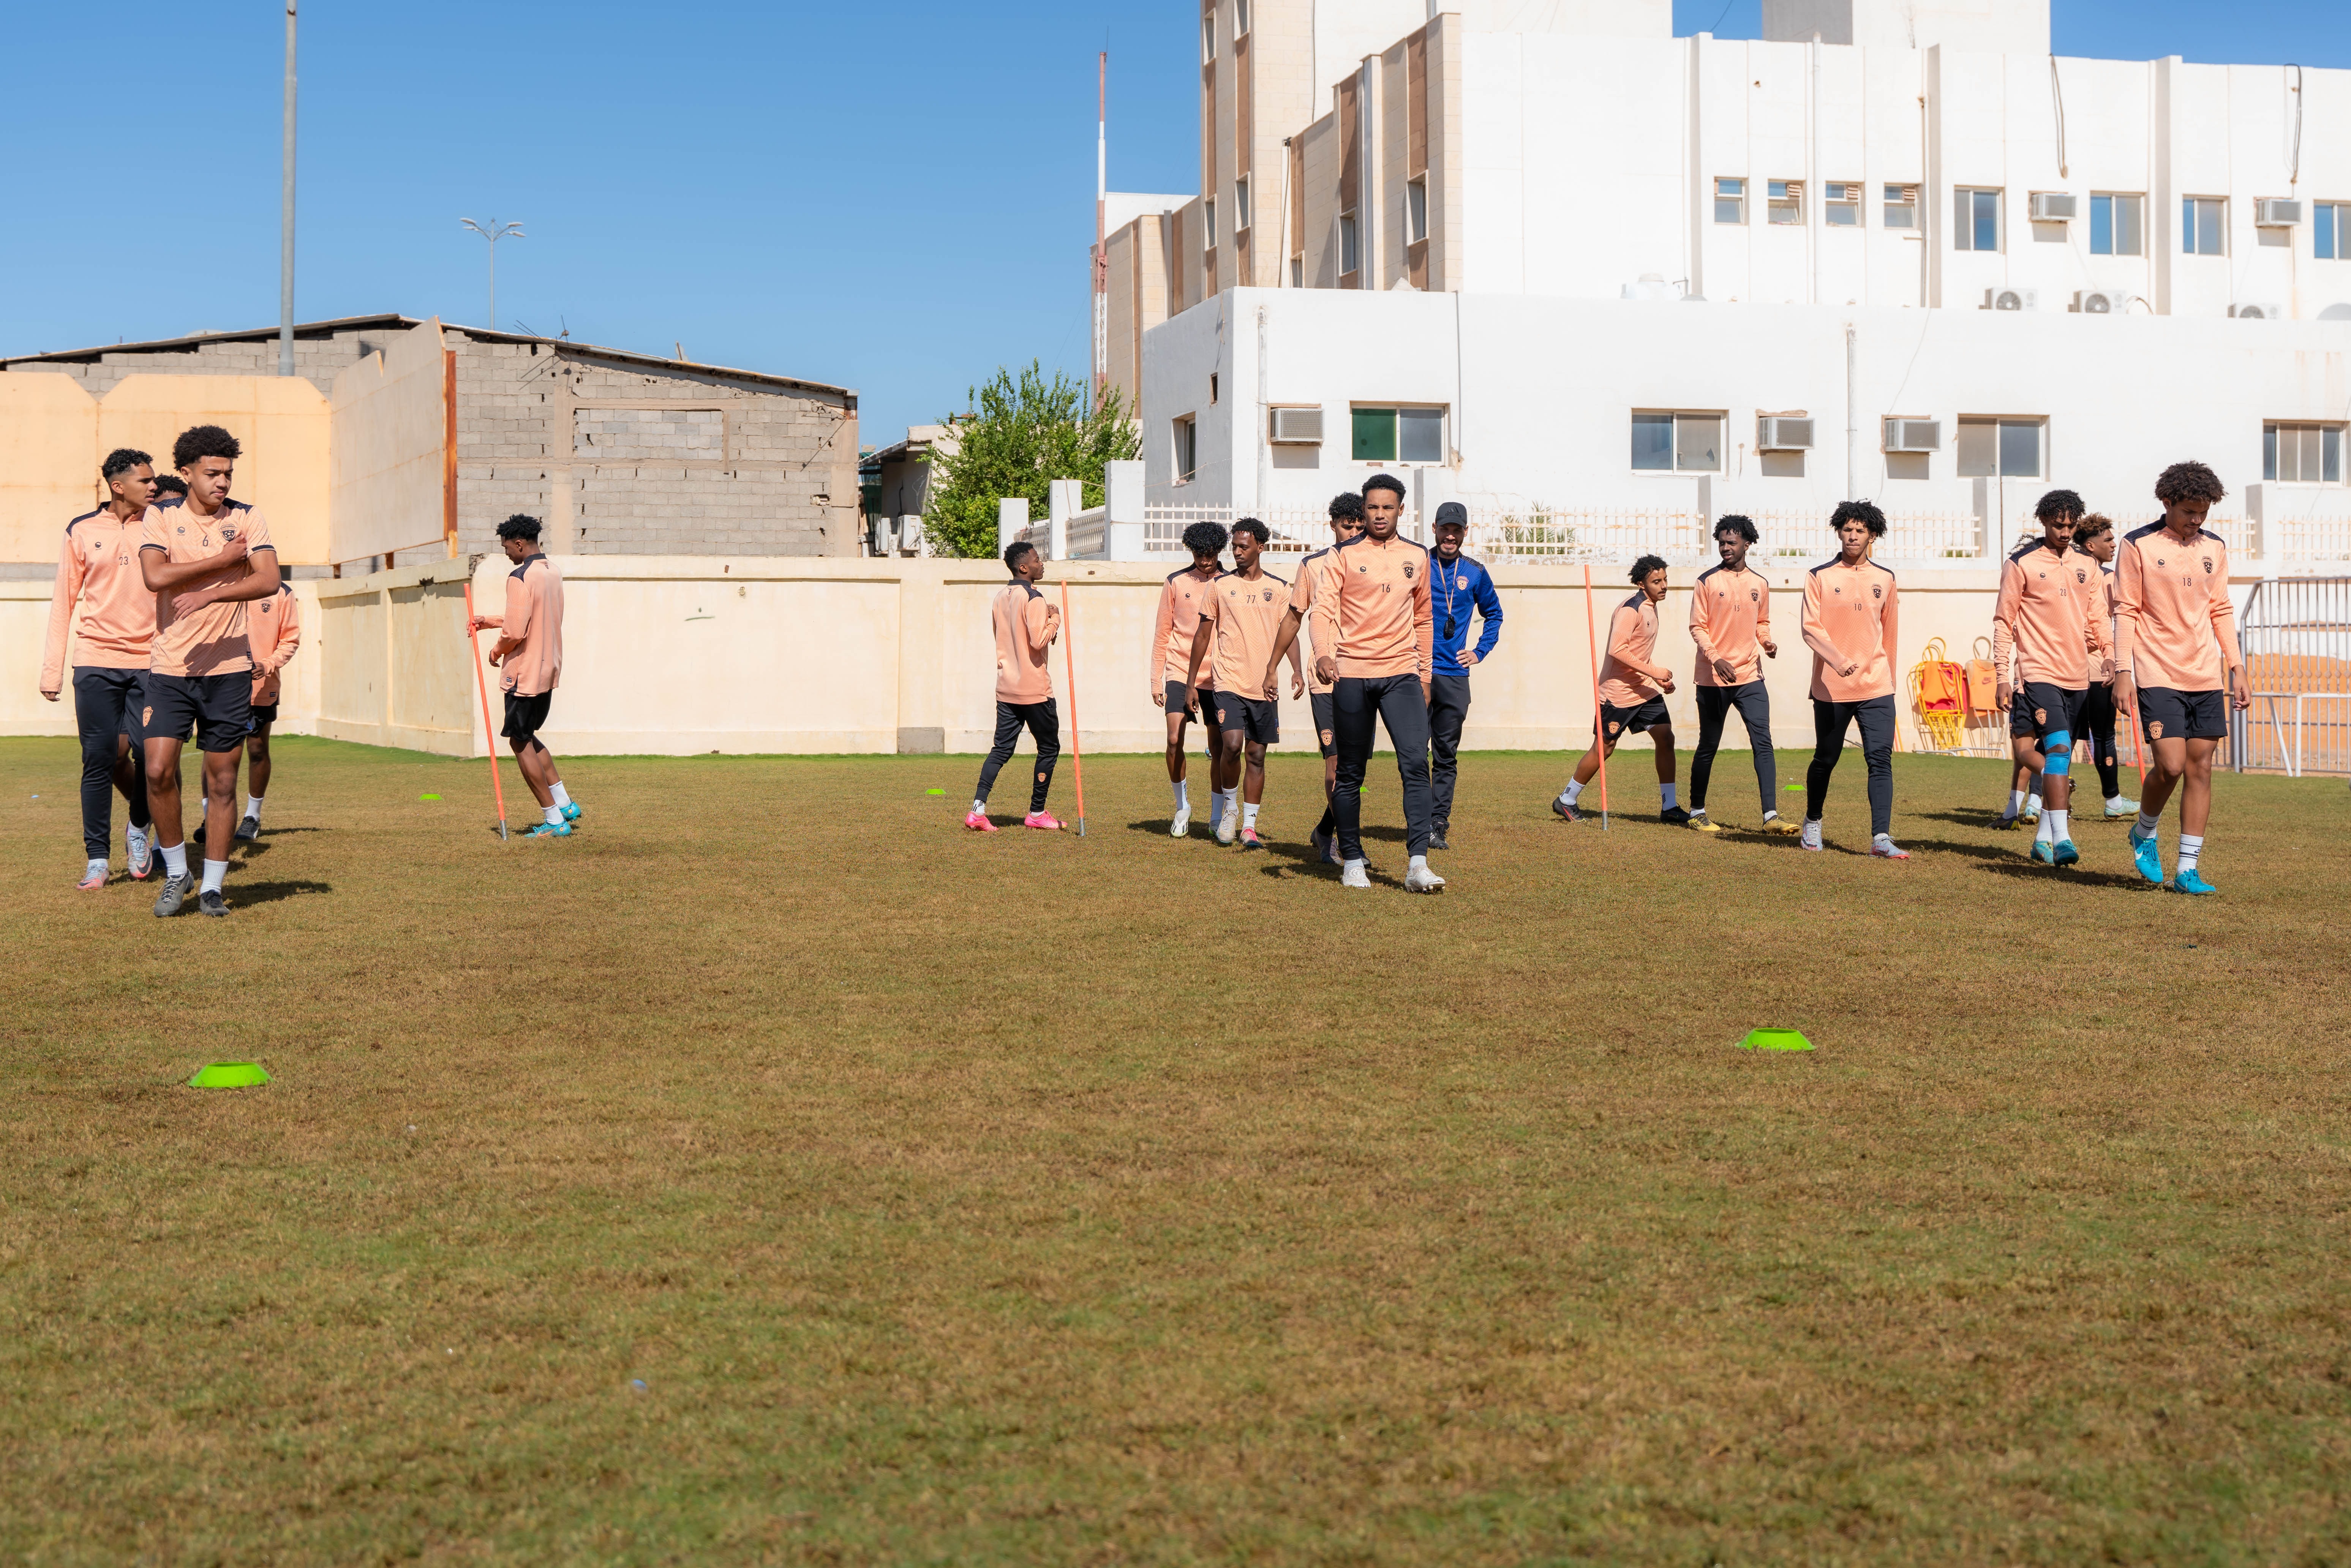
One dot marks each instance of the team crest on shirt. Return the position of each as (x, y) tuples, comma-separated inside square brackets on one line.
[(1461, 582), (1269, 596), (1753, 597), (1407, 571), (2208, 566), (228, 536), (1876, 590)]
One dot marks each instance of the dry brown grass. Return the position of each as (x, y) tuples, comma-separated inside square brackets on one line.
[(1036, 1199)]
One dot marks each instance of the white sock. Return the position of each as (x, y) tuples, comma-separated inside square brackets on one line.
[(2033, 805), (562, 796), (1574, 787), (1813, 832), (1417, 863), (554, 815), (216, 874), (1771, 816), (175, 859), (2190, 846), (2048, 833), (95, 868), (1667, 791), (252, 806), (978, 807), (2058, 824), (2112, 801), (2016, 802), (2146, 825), (1248, 815), (1219, 802), (1183, 801)]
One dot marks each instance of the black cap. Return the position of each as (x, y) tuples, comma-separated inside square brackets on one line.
[(1452, 512)]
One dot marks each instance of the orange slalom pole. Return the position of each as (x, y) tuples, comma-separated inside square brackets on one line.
[(482, 685), (1077, 751), (1599, 739)]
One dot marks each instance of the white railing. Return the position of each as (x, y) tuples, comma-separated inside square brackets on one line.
[(2296, 634), (1296, 530)]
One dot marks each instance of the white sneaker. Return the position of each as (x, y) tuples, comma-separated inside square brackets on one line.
[(1183, 822), (1419, 878), (1353, 874), (142, 851), (1228, 827)]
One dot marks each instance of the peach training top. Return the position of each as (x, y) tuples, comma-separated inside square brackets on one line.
[(273, 631), (1632, 641), (1370, 609), (1729, 617), (1248, 614), (534, 625), (210, 641), (1851, 614), (1177, 620), (2045, 625), (2174, 625), (1302, 599), (100, 597), (1025, 626)]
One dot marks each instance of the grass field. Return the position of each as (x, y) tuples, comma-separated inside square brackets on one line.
[(777, 1173)]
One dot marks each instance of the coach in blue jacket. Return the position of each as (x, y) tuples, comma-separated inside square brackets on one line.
[(1456, 585)]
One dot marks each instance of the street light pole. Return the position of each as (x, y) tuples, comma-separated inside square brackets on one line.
[(493, 232), (286, 217)]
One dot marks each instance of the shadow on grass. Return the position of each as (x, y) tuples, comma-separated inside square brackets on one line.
[(244, 894), (2072, 876)]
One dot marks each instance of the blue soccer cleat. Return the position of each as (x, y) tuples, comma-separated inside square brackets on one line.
[(2147, 853), (2191, 881), (572, 812), (550, 831), (2041, 851), (2064, 854)]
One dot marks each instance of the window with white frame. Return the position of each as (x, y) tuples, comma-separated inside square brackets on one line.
[(1672, 440), (1902, 206), (1240, 204), (1348, 250), (1208, 223), (2117, 223), (1297, 272), (2204, 225), (1729, 201), (2330, 228), (1416, 210), (1209, 39), (2302, 454), (1393, 434), (1240, 18), (2002, 448), (1975, 219), (1784, 201), (1187, 449), (1841, 204)]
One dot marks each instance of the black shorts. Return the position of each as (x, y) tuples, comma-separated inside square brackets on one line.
[(263, 716), (1634, 720), (218, 709), (2039, 709), (1201, 699), (526, 717), (1326, 714), (2171, 715), (1257, 718)]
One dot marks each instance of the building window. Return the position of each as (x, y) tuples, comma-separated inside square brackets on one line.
[(1347, 256), (1678, 443), (1416, 210), (2331, 226), (1187, 449), (1240, 18), (1975, 220), (1209, 39), (1297, 272), (2000, 448), (1902, 206), (1208, 224), (2302, 454), (1842, 207), (2203, 225), (2116, 224), (1785, 201), (1730, 200), (1399, 435), (1240, 204)]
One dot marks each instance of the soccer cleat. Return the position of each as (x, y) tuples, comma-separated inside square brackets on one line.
[(2147, 853), (977, 822), (2006, 821), (1673, 816), (550, 831), (1565, 810), (1227, 829), (1886, 848), (2032, 813), (1250, 840), (1701, 822), (572, 812), (175, 891), (1437, 838), (1043, 821), (1420, 879), (2191, 881), (1352, 874), (93, 877), (2063, 854), (248, 830), (142, 851), (1779, 825), (211, 902), (1183, 822), (2124, 808), (2041, 851)]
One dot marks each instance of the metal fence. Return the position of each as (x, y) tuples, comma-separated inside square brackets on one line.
[(2296, 634)]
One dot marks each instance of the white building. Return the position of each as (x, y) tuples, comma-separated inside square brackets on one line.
[(1543, 257)]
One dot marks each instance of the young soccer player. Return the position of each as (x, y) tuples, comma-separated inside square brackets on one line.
[(1346, 522), (2024, 776), (1238, 621), (1458, 585), (204, 561), (2045, 625), (1730, 622), (2096, 538), (273, 628), (1024, 624), (1172, 631), (170, 490), (529, 656), (104, 602), (1373, 638), (1633, 691), (2175, 651), (1850, 620)]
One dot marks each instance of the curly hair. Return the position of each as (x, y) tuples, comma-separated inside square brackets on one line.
[(1205, 538), (521, 526), (121, 461), (1387, 482), (2093, 525), (1346, 507), (1736, 523), (2190, 481), (2060, 503), (203, 441), (1866, 513), (1014, 551), (1644, 567), (1255, 530)]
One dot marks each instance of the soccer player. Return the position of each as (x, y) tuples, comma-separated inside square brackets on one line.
[(170, 490), (529, 660), (2045, 626), (273, 628), (104, 602), (1730, 622), (1458, 586), (1346, 523), (1172, 632), (1850, 620), (2096, 538), (1373, 637), (1026, 625), (204, 561), (1239, 620), (2175, 649), (1633, 692)]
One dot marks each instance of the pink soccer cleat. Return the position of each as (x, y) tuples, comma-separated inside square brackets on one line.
[(94, 878), (1044, 822), (978, 823)]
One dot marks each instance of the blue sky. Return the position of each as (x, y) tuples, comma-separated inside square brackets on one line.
[(897, 197)]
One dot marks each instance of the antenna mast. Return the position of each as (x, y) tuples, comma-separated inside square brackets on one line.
[(1101, 213)]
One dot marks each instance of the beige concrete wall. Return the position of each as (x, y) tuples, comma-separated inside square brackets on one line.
[(282, 423), (48, 464), (388, 476)]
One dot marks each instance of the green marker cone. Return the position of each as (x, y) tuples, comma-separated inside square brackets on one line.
[(229, 1075), (1775, 1039), (428, 796), (934, 791)]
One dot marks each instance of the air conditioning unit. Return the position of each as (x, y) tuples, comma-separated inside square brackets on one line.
[(2258, 313), (2012, 299), (1782, 433), (1296, 427), (1914, 434), (2053, 207), (2276, 213), (2101, 302)]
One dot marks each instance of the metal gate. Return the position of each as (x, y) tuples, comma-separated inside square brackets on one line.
[(2296, 634)]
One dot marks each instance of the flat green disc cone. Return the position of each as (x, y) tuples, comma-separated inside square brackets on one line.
[(1775, 1039), (229, 1075)]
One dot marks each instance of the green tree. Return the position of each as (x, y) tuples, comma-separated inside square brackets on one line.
[(1022, 434)]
